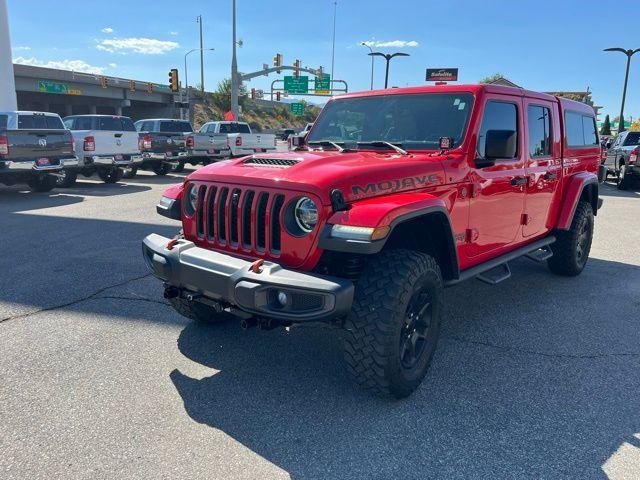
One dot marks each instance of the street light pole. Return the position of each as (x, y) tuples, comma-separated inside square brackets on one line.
[(372, 60), (8, 100), (199, 20), (234, 67), (388, 57), (333, 43), (629, 54)]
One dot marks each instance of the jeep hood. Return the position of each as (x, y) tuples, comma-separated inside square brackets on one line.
[(357, 175)]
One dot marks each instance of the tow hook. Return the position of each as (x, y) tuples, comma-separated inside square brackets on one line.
[(171, 292)]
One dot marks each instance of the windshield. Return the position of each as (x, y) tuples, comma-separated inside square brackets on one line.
[(415, 121), (234, 128)]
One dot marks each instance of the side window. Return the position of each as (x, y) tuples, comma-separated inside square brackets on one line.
[(497, 116), (581, 130), (539, 120), (68, 122)]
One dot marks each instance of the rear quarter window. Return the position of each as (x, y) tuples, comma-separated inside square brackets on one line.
[(580, 130), (633, 138)]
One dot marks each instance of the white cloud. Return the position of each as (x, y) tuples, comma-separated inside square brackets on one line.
[(392, 43), (173, 33), (145, 46), (113, 65), (107, 30), (21, 49), (73, 65)]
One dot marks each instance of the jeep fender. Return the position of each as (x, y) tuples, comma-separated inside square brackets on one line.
[(393, 211), (170, 203), (581, 186)]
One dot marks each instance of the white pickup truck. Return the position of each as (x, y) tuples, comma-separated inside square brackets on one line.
[(105, 144), (240, 139)]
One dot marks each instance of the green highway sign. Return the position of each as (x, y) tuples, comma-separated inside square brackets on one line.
[(296, 108), (323, 86), (296, 85), (51, 87)]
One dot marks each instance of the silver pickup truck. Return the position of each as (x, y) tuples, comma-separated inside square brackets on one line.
[(168, 144), (34, 148)]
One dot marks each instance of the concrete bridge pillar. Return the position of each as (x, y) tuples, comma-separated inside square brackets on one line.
[(8, 101)]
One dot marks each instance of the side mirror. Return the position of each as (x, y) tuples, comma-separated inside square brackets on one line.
[(498, 144)]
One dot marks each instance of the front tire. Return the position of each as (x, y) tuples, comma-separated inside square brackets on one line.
[(111, 175), (571, 248), (393, 328), (178, 168), (198, 311), (42, 183), (67, 179)]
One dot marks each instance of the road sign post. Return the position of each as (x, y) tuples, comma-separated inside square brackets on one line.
[(296, 85)]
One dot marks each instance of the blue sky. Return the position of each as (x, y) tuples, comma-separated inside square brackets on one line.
[(540, 45)]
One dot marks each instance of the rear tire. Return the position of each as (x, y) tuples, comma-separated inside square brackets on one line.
[(571, 248), (198, 311), (130, 172), (623, 178), (67, 180), (161, 169), (393, 328), (111, 175), (42, 183), (178, 168)]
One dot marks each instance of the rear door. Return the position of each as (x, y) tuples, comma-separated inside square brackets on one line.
[(543, 166), (497, 201)]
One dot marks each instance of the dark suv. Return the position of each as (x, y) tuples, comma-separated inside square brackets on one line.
[(622, 156)]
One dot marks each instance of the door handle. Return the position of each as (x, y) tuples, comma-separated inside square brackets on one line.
[(550, 176), (518, 181)]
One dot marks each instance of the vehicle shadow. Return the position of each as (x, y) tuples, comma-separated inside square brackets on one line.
[(609, 189), (93, 189), (522, 386), (14, 199)]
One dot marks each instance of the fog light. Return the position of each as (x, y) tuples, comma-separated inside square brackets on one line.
[(282, 298)]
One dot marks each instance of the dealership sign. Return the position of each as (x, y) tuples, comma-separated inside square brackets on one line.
[(442, 74)]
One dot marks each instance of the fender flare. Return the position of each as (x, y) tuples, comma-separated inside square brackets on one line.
[(423, 205), (574, 189)]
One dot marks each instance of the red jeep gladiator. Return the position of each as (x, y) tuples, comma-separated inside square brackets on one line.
[(391, 196)]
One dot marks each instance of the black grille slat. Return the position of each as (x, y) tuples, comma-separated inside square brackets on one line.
[(234, 205), (210, 213), (272, 162), (261, 220), (200, 211), (246, 218), (275, 226), (222, 207)]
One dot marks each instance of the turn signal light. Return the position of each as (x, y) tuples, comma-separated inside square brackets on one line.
[(4, 145), (191, 142), (89, 144), (238, 141), (633, 158), (145, 143)]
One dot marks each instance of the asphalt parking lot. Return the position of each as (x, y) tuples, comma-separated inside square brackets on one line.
[(538, 377)]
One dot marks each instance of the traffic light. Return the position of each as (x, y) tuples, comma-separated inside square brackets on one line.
[(103, 82), (277, 61), (132, 85), (277, 96), (173, 80), (296, 72), (149, 87), (253, 94), (319, 74)]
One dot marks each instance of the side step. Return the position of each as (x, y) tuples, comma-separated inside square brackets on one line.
[(499, 261), (541, 255), (496, 279)]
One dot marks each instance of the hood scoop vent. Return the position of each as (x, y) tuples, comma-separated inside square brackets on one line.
[(272, 162)]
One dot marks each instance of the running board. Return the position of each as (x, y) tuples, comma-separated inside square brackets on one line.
[(496, 279), (498, 261), (541, 255)]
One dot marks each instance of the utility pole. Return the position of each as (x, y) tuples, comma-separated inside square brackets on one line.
[(199, 20), (234, 67), (333, 47), (629, 54), (8, 100)]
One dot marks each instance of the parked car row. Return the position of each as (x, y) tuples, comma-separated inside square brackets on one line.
[(45, 151), (621, 158)]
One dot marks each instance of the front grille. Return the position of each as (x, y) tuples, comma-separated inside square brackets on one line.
[(239, 218), (271, 162)]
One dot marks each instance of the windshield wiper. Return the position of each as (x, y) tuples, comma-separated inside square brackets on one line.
[(329, 143), (381, 143)]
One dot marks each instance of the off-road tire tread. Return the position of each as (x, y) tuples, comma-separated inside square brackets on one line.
[(563, 261), (385, 284)]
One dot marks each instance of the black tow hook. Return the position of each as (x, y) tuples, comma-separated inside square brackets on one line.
[(171, 292)]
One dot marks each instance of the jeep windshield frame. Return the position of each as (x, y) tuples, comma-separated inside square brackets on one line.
[(414, 121)]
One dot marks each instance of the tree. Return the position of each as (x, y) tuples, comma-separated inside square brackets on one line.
[(635, 126), (606, 126), (222, 95), (492, 78)]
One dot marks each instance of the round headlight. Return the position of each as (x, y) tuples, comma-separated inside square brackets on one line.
[(192, 199), (306, 213)]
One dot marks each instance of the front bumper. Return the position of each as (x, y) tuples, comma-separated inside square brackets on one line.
[(35, 166), (232, 281)]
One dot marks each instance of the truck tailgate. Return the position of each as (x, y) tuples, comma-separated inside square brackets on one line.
[(165, 142), (33, 144)]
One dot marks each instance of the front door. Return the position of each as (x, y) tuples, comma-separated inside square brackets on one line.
[(543, 166), (498, 191)]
